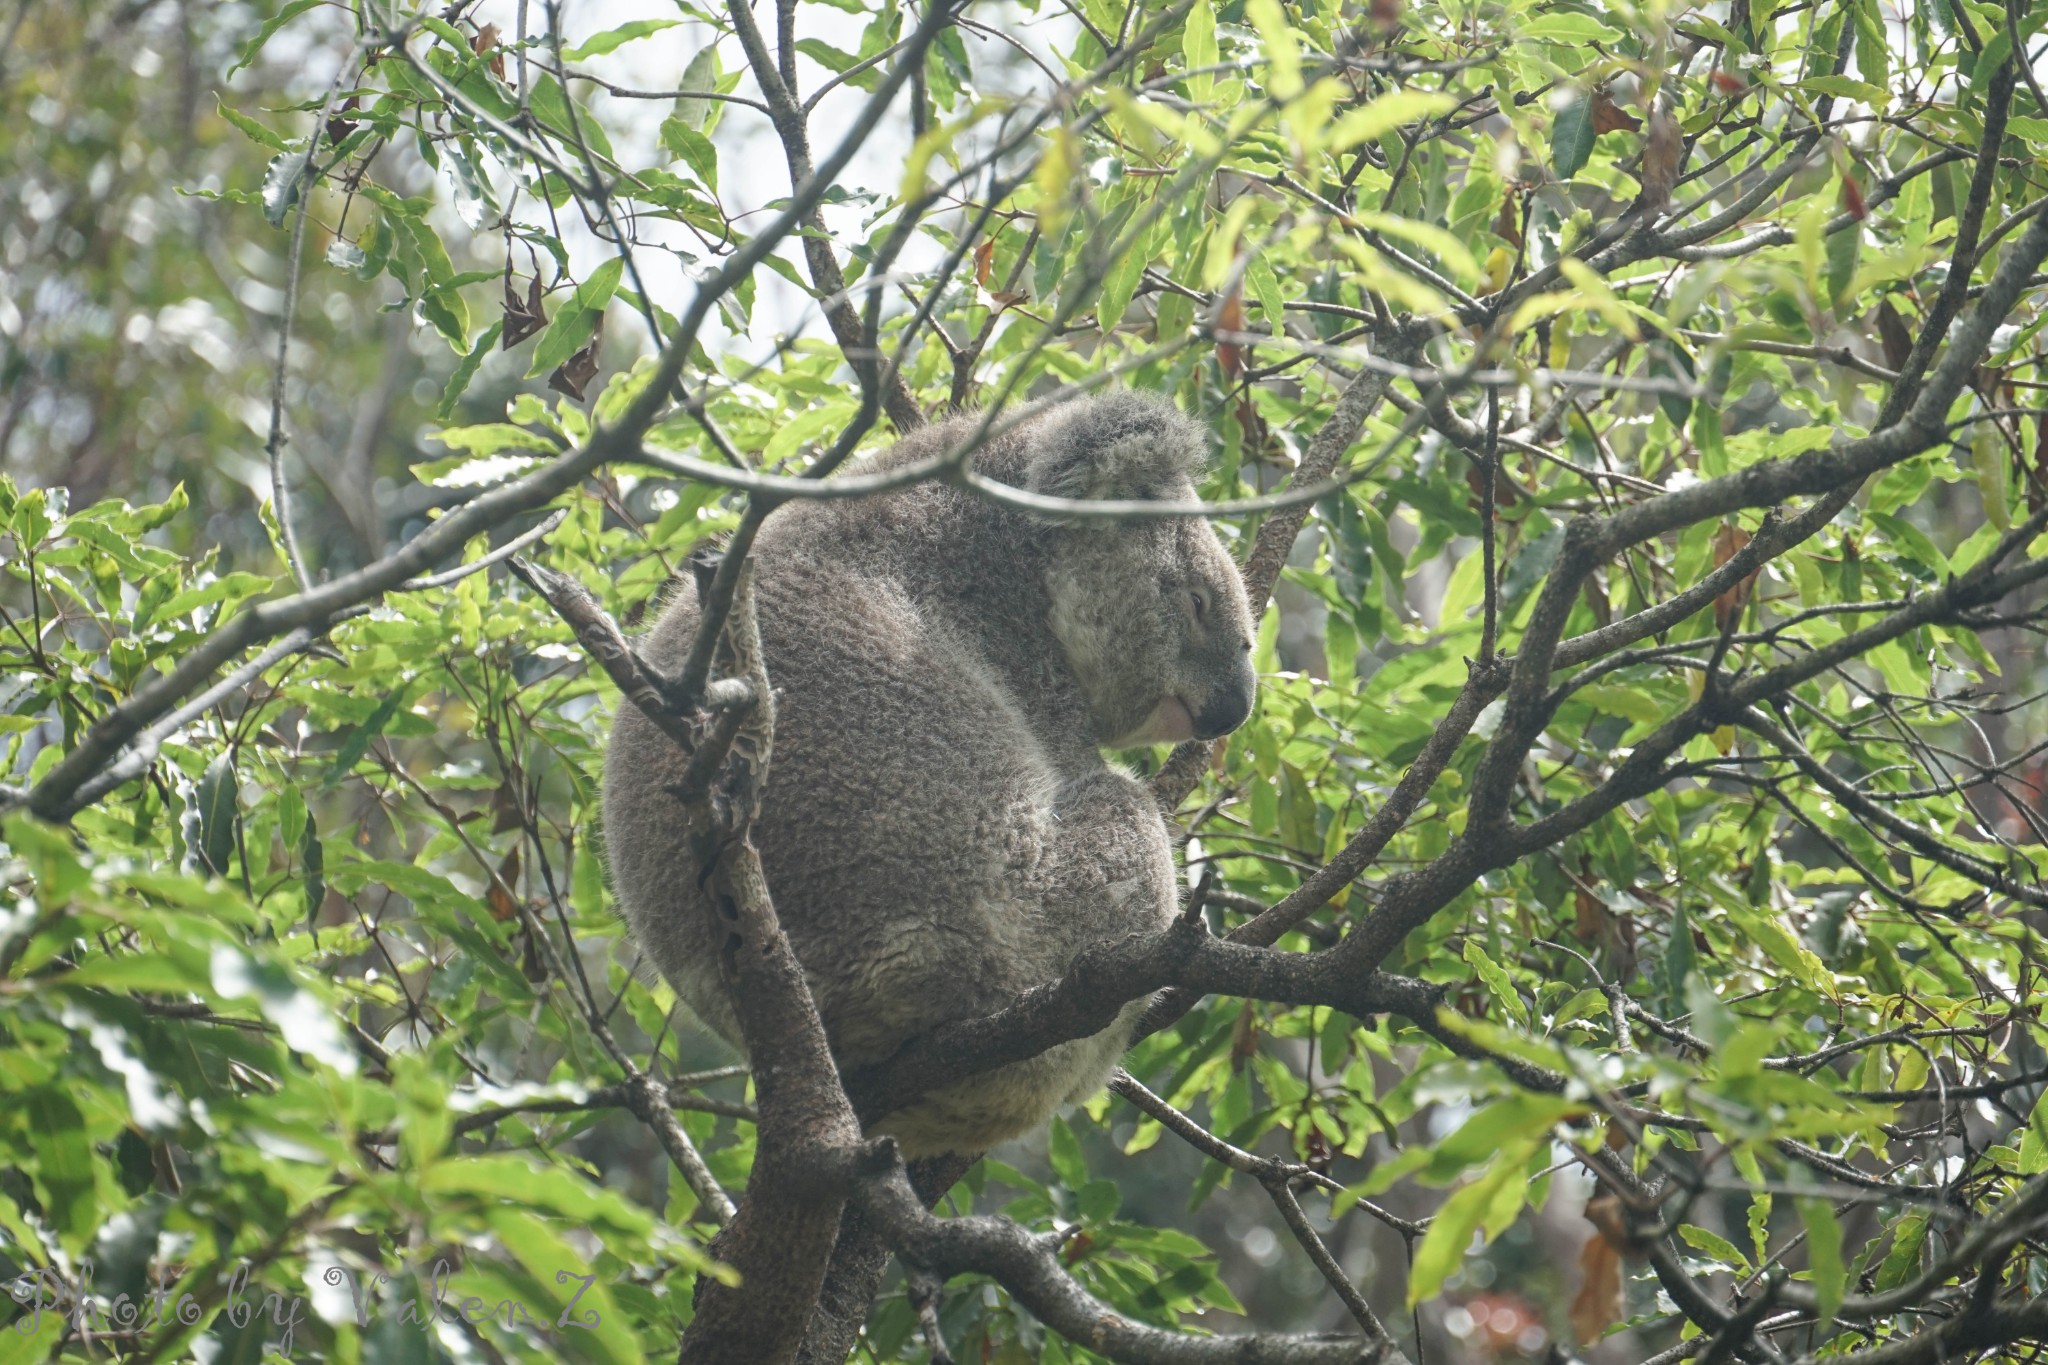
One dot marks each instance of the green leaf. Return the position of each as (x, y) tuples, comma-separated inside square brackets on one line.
[(465, 370), (491, 438), (1680, 961), (1498, 983), (1520, 1118), (1064, 1152), (1845, 248), (450, 36), (2033, 1152), (258, 132), (688, 145), (313, 867), (1198, 48), (229, 588), (1769, 933), (358, 741), (551, 106), (449, 315), (566, 1289), (1846, 87), (1824, 1254), (614, 38), (1902, 1262), (1390, 111), (1098, 1201), (220, 794), (1714, 1245), (824, 54), (1912, 542), (1282, 46), (1571, 137), (1627, 702), (63, 1172), (1485, 1206), (701, 74), (1576, 29), (1997, 50), (575, 321), (284, 180), (1873, 47), (285, 14)]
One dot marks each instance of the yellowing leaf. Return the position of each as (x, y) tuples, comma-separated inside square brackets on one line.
[(1385, 114), (1598, 296), (1198, 47), (1283, 52), (1486, 1207)]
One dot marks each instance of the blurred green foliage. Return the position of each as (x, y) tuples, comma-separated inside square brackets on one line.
[(250, 999)]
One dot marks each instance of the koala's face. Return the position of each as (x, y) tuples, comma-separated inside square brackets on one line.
[(1156, 628)]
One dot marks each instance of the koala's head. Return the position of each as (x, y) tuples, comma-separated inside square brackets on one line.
[(1152, 614)]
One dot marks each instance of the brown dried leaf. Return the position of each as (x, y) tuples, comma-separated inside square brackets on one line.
[(1609, 117), (573, 375), (1595, 594), (985, 261), (1244, 1038), (1853, 202), (1728, 606), (1257, 446), (1590, 916), (1663, 152), (1507, 224), (507, 812), (1605, 1212), (485, 40), (522, 318), (1230, 319), (1315, 1149), (338, 127), (1892, 333), (1598, 1304), (1504, 494), (499, 897)]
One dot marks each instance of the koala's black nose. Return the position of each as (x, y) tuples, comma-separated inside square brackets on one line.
[(1229, 704)]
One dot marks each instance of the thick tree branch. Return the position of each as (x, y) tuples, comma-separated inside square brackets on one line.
[(1029, 1268), (808, 1142)]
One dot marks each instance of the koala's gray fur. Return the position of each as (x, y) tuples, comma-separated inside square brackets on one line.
[(939, 829)]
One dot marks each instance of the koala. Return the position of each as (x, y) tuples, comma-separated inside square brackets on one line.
[(939, 829)]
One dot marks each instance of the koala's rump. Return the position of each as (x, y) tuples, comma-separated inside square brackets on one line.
[(928, 857)]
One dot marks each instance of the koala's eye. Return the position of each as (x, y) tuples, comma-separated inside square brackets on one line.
[(1200, 602)]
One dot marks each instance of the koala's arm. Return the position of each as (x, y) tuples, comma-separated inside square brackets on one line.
[(1111, 872)]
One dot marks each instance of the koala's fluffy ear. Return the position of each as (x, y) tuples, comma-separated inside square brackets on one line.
[(1121, 446)]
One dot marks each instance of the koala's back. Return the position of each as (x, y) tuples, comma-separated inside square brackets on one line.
[(912, 820)]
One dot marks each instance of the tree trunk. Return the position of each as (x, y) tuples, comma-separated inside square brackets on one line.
[(858, 1263)]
